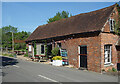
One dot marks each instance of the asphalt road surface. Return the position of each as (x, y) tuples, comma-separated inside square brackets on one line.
[(25, 71)]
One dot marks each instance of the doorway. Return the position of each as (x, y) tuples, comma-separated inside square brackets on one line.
[(49, 48), (82, 56)]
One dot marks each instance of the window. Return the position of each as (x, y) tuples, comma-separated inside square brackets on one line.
[(59, 45), (30, 48), (42, 49), (107, 54), (112, 24), (83, 50)]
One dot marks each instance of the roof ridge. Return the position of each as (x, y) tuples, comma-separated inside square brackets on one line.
[(78, 15), (73, 24)]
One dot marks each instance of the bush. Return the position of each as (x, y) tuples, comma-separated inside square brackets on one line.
[(55, 51), (103, 69), (11, 55), (114, 70), (25, 55), (57, 58), (109, 70), (5, 54)]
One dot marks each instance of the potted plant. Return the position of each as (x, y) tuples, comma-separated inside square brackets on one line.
[(112, 71), (57, 61), (103, 71)]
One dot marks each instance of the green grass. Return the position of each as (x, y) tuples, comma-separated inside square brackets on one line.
[(26, 55), (5, 54), (11, 55)]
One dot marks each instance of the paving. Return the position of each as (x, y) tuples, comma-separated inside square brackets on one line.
[(27, 71)]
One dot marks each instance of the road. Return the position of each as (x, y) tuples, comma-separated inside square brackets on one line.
[(26, 71)]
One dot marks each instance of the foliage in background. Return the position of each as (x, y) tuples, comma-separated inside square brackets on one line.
[(55, 51), (59, 16), (11, 55), (7, 37), (26, 55)]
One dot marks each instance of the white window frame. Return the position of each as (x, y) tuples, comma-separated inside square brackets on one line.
[(79, 54), (38, 49), (106, 54), (113, 24), (30, 48)]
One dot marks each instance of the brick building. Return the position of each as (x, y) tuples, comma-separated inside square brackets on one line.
[(89, 39)]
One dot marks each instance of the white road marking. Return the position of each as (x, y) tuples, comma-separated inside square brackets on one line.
[(16, 66), (48, 78)]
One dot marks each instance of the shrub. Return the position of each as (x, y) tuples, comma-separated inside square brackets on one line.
[(55, 51), (11, 55), (114, 70), (26, 55), (5, 54), (109, 70), (57, 58), (103, 69)]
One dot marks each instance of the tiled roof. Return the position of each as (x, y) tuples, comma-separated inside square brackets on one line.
[(85, 22)]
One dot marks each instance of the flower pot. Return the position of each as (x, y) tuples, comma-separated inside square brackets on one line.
[(57, 62)]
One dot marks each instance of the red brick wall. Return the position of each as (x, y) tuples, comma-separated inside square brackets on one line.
[(109, 38), (93, 51), (114, 15)]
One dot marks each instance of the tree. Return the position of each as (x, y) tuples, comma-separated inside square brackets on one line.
[(7, 37), (21, 36), (59, 16)]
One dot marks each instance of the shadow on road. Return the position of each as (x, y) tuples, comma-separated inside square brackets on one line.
[(5, 61), (8, 61)]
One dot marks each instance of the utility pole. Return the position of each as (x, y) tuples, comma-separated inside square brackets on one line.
[(12, 42)]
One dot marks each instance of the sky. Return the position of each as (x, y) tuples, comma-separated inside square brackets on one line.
[(27, 16)]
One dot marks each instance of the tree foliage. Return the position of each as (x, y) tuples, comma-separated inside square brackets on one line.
[(55, 51), (59, 16), (7, 37)]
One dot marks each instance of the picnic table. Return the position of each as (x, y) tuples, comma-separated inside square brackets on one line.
[(38, 58)]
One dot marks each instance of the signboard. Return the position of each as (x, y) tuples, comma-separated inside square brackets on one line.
[(63, 53)]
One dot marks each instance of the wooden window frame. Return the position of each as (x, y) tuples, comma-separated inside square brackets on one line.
[(112, 25), (106, 54)]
